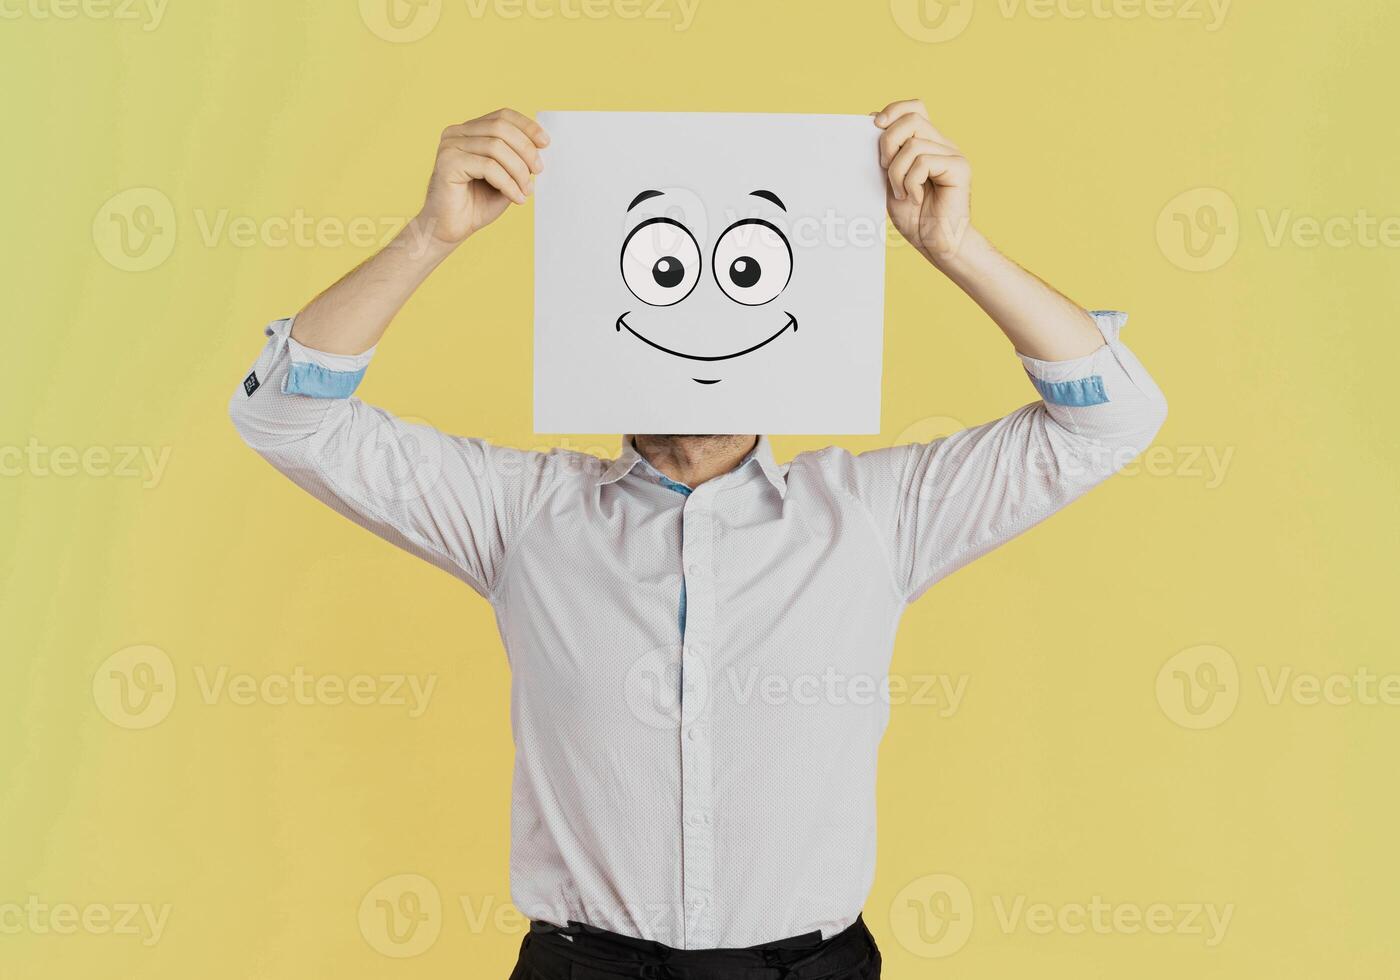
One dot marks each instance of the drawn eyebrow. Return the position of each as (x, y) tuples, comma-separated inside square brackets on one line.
[(768, 196), (646, 196)]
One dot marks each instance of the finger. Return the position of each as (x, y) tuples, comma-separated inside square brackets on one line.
[(453, 162), (906, 127), (525, 124), (500, 151), (904, 159), (495, 175), (932, 132), (944, 170), (505, 131), (894, 110)]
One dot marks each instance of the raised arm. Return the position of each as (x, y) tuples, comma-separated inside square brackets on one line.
[(929, 196), (483, 166), (943, 504), (454, 501)]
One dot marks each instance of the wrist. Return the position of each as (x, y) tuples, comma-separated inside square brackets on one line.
[(959, 255), (421, 239)]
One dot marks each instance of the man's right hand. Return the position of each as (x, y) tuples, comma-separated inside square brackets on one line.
[(482, 166)]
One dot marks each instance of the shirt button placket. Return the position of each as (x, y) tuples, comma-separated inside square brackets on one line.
[(697, 786)]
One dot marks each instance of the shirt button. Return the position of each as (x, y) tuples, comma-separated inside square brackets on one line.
[(696, 732)]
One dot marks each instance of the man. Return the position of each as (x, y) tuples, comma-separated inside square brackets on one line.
[(669, 819)]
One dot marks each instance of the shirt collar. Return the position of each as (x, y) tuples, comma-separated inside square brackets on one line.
[(761, 456)]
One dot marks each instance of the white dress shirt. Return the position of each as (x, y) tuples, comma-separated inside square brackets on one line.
[(702, 775)]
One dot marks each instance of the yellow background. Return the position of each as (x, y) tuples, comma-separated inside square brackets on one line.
[(1066, 772)]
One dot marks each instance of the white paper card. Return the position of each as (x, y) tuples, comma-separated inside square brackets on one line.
[(747, 296)]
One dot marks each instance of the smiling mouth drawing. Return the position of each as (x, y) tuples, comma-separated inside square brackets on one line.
[(622, 322)]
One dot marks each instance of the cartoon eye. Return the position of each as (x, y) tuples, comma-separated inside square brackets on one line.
[(660, 262), (752, 262)]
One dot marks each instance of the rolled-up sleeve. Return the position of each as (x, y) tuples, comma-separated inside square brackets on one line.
[(456, 502), (940, 505)]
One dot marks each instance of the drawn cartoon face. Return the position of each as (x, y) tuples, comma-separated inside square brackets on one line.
[(707, 272), (662, 264)]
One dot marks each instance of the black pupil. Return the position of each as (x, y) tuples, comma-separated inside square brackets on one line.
[(668, 271), (744, 271)]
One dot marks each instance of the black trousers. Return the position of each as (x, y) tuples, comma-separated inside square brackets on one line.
[(580, 952)]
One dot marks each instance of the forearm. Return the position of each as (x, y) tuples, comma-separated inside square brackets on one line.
[(350, 316), (1039, 321)]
